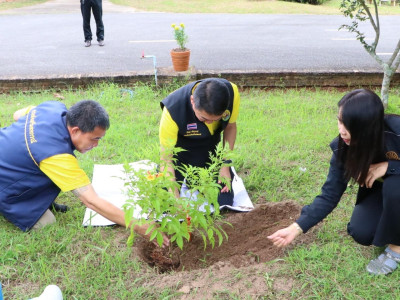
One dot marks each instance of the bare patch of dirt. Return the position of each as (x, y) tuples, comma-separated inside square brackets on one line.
[(239, 267), (247, 242)]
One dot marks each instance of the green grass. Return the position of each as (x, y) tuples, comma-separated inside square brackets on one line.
[(224, 6), (282, 153), (243, 7), (19, 3)]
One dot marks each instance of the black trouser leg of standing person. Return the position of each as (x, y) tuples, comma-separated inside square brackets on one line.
[(98, 16), (85, 9)]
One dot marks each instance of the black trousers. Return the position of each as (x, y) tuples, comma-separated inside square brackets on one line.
[(96, 6), (223, 198), (376, 216)]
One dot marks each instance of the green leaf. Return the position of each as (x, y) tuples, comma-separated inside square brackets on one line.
[(153, 235), (173, 238), (179, 242), (220, 237), (163, 223), (203, 222), (131, 239), (156, 203), (210, 233), (160, 238), (204, 239), (128, 216), (150, 228)]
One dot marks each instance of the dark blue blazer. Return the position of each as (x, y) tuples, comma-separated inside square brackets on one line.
[(335, 184)]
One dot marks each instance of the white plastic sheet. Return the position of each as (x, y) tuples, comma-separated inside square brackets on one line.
[(108, 182)]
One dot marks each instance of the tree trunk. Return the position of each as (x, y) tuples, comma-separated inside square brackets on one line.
[(387, 77)]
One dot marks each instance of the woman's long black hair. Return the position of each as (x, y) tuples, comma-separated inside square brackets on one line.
[(361, 112)]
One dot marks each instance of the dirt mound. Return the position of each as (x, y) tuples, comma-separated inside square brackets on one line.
[(247, 242)]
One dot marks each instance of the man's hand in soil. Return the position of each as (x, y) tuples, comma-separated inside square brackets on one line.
[(142, 231), (285, 236), (224, 172)]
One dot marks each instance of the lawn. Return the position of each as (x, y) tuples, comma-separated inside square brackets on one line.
[(18, 3), (282, 154), (244, 7), (224, 6)]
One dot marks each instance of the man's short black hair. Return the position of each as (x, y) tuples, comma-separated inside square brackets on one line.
[(211, 96), (87, 115)]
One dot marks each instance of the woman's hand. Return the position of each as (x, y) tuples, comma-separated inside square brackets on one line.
[(375, 171), (285, 236)]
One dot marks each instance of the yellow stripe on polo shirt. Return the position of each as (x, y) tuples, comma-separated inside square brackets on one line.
[(235, 111), (236, 103), (64, 171), (168, 130)]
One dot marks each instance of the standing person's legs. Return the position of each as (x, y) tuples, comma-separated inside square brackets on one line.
[(98, 16), (85, 9), (46, 219)]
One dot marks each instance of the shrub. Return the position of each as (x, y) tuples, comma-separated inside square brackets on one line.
[(313, 2), (178, 217)]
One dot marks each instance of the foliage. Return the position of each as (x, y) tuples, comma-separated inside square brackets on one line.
[(152, 192), (180, 36), (238, 7), (359, 11), (17, 4), (313, 2)]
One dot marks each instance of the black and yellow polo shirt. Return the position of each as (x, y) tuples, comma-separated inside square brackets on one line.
[(179, 126)]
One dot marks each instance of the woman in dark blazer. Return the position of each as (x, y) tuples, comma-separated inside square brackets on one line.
[(366, 151)]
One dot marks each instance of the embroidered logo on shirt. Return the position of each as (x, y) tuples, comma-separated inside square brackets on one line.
[(226, 115), (192, 130), (31, 127), (191, 126), (392, 155)]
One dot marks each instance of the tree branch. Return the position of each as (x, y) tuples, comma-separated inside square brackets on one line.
[(374, 24), (394, 55)]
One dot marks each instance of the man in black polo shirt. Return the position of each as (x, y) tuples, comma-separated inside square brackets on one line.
[(193, 118)]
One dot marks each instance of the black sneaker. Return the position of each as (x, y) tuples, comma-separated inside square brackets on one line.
[(58, 207), (88, 43)]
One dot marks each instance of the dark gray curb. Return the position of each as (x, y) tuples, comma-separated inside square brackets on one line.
[(283, 79)]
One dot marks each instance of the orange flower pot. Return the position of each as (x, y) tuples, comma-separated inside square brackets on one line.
[(180, 59)]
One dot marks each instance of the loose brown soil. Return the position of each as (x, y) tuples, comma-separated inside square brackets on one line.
[(246, 266), (247, 242)]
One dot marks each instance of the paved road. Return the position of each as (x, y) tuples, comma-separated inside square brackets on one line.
[(47, 40)]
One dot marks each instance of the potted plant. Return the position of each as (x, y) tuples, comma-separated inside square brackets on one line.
[(180, 56)]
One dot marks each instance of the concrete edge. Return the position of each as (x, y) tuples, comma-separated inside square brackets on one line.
[(263, 79)]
